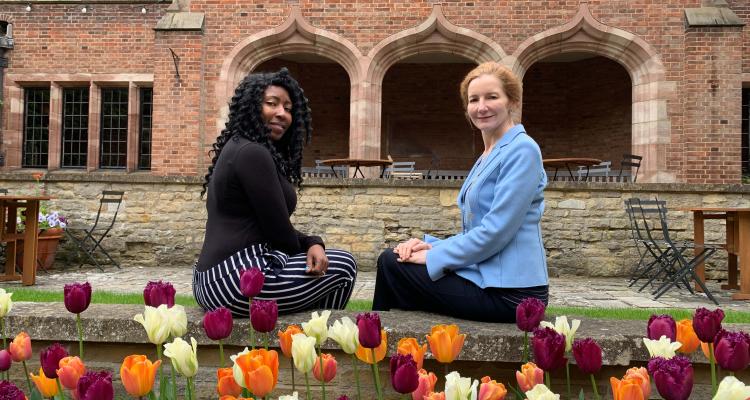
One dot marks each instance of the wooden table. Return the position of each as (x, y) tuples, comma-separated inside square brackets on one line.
[(9, 206), (357, 163), (558, 163), (737, 245)]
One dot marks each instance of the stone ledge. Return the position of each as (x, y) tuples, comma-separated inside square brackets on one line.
[(621, 341)]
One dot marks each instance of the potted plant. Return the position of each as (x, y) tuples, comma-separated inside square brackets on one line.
[(51, 227)]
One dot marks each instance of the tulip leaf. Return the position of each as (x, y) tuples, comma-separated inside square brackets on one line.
[(35, 395), (581, 396)]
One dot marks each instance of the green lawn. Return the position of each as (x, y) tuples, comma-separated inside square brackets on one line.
[(640, 314)]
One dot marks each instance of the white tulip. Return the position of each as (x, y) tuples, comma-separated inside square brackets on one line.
[(732, 388), (303, 352), (317, 326), (184, 356), (662, 347), (346, 333), (561, 326), (458, 388), (6, 304), (239, 377), (541, 392), (177, 320), (156, 323), (292, 396)]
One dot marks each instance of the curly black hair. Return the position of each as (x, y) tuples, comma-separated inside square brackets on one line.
[(245, 119)]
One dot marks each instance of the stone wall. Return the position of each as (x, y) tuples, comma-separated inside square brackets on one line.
[(586, 231)]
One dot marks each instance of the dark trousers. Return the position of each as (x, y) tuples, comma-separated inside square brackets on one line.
[(407, 286)]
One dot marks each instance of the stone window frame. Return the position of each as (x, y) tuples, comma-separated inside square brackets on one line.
[(13, 135)]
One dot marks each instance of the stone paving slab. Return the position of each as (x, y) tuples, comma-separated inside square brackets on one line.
[(568, 291)]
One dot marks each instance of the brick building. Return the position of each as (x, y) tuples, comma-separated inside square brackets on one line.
[(122, 86)]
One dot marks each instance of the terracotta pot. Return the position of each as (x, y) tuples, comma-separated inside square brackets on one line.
[(46, 248)]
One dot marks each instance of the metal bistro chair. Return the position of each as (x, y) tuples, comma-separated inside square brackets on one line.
[(325, 171), (629, 161), (595, 173), (402, 169), (89, 239)]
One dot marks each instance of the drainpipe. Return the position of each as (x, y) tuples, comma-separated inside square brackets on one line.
[(6, 44)]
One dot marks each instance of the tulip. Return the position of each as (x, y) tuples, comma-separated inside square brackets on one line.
[(227, 385), (47, 386), (529, 376), (342, 397), (50, 358), (458, 388), (77, 297), (673, 377), (156, 322), (184, 356), (5, 360), (260, 370), (661, 325), (427, 381), (404, 375), (662, 347), (303, 352), (626, 389), (435, 396), (158, 293), (230, 397), (732, 350), (236, 371), (489, 389), (218, 323), (317, 326), (285, 339), (177, 320), (549, 349), (295, 396), (138, 374), (410, 346), (20, 347), (263, 315), (640, 376), (562, 327), (369, 329), (445, 342), (251, 282), (329, 368), (588, 355), (687, 337), (6, 304), (707, 323), (529, 313), (70, 371), (365, 354), (96, 386), (9, 391), (731, 388), (541, 392), (346, 334)]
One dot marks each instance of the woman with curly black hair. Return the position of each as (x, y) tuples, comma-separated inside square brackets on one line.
[(251, 182)]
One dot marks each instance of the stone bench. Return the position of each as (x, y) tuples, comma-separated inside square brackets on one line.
[(490, 349)]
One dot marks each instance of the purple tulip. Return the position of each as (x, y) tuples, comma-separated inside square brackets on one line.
[(50, 358), (263, 315), (673, 377), (732, 350), (661, 325), (588, 355), (96, 386), (5, 360), (251, 282), (369, 329), (707, 323), (343, 397), (404, 375), (529, 313), (158, 293), (9, 391), (549, 349), (218, 323), (77, 297)]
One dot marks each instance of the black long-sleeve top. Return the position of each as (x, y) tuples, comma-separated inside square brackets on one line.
[(249, 201)]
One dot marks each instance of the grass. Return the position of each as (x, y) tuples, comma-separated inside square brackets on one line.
[(636, 314)]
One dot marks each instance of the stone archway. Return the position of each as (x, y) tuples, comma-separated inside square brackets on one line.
[(650, 123)]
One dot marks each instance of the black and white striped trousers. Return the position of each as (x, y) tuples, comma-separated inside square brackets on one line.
[(285, 281)]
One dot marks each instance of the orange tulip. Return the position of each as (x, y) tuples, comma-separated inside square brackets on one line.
[(230, 397), (329, 368), (530, 376), (138, 374), (626, 389), (227, 385), (285, 339), (686, 335), (365, 355), (491, 390), (427, 382), (71, 369), (260, 370), (20, 347), (445, 342), (435, 396), (640, 374), (706, 351), (46, 386), (410, 346)]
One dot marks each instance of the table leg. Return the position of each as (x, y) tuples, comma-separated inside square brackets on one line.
[(732, 249), (698, 240), (567, 166), (744, 253), (356, 169), (334, 172), (30, 242)]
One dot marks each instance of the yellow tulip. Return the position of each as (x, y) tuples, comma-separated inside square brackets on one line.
[(177, 320), (71, 369), (365, 354), (47, 387), (445, 342), (260, 370), (562, 327), (6, 304), (686, 335), (410, 346), (137, 374), (317, 326), (184, 356), (303, 352), (156, 322), (346, 333)]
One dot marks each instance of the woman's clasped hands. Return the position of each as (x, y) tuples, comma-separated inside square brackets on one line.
[(412, 251)]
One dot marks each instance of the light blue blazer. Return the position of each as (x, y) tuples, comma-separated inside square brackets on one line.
[(501, 203)]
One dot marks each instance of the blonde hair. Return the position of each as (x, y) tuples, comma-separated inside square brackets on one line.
[(510, 83)]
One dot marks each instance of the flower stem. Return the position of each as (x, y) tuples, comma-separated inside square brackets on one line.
[(221, 354), (547, 380), (307, 386), (322, 372), (567, 378), (713, 369), (525, 347), (356, 375), (80, 335), (267, 339), (252, 330), (161, 374), (26, 373), (593, 385), (174, 380), (376, 375), (2, 332), (60, 389), (189, 389)]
